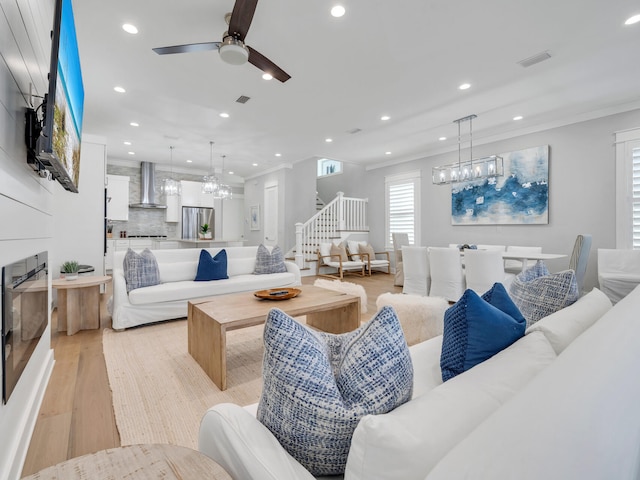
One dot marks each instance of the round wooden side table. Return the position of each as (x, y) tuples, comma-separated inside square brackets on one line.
[(139, 462), (79, 302)]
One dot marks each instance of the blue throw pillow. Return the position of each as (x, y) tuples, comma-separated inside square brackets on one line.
[(475, 330), (212, 268), (317, 386), (499, 298)]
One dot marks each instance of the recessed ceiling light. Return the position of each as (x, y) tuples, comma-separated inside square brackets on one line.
[(385, 117), (338, 11), (189, 161), (278, 154), (224, 115), (131, 153), (442, 139), (267, 76), (132, 29), (230, 173), (328, 140), (632, 20), (134, 124), (119, 89), (518, 117), (127, 143), (464, 86), (254, 164), (387, 153)]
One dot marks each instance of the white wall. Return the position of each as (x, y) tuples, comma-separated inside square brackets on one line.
[(581, 193), (26, 202), (79, 217)]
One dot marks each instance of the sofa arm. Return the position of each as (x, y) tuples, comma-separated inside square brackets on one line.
[(293, 268), (120, 296), (244, 447)]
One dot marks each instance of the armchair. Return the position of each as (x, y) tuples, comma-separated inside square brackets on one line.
[(336, 261)]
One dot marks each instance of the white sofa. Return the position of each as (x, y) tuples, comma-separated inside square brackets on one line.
[(560, 403), (178, 269)]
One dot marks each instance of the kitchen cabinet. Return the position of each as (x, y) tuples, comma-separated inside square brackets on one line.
[(172, 213), (117, 197), (192, 195), (108, 258)]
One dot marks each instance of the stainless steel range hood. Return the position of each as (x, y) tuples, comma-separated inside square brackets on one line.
[(147, 187)]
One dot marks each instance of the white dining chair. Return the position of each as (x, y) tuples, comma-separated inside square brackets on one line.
[(416, 270), (515, 266), (447, 277), (484, 268), (399, 241)]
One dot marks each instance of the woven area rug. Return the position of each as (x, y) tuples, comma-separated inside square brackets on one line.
[(159, 391)]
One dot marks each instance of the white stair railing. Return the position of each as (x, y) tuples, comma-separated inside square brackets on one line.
[(339, 215)]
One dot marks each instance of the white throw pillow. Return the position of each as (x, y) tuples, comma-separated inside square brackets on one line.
[(564, 326), (409, 441)]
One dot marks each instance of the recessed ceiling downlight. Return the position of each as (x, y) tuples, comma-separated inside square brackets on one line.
[(328, 140), (632, 20), (464, 86), (518, 117), (384, 118), (442, 139), (338, 11), (267, 76), (224, 115), (134, 124), (119, 89), (129, 28)]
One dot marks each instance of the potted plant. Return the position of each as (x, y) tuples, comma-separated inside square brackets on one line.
[(205, 232), (70, 269)]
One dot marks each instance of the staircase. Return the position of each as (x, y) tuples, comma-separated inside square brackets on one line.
[(338, 219)]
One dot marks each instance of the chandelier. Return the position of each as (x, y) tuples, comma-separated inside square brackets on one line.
[(467, 170), (171, 187), (224, 190), (210, 183)]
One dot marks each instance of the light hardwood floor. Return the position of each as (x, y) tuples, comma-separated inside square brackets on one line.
[(76, 416)]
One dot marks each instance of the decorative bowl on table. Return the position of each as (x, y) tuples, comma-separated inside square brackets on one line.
[(277, 293)]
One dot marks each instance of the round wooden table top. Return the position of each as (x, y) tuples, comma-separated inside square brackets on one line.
[(142, 462), (81, 281)]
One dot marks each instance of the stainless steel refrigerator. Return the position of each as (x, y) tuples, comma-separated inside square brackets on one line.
[(193, 218)]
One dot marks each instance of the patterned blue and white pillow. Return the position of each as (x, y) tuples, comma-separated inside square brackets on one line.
[(317, 386), (538, 293), (269, 262), (140, 269)]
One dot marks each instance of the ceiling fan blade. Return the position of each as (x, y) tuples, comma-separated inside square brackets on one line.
[(266, 65), (241, 18), (191, 47)]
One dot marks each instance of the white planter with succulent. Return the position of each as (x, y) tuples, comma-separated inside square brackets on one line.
[(70, 269), (205, 232)]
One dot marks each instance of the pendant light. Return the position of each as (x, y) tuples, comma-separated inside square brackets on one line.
[(171, 187), (210, 183), (224, 190), (467, 170)]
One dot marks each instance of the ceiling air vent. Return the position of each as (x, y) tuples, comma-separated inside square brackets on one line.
[(243, 99), (537, 58)]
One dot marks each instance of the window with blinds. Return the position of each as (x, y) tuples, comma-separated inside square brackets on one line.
[(402, 202), (636, 197)]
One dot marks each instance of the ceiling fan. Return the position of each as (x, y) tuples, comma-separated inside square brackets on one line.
[(232, 48)]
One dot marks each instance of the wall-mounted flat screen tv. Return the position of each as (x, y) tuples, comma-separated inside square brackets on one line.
[(57, 148)]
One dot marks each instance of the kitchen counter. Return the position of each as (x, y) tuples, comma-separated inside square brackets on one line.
[(197, 243)]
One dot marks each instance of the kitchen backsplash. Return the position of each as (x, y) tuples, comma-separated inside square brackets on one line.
[(147, 221)]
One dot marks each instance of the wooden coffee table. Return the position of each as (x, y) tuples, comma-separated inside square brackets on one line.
[(210, 319)]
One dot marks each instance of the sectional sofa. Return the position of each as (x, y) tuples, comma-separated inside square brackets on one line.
[(178, 268), (559, 403)]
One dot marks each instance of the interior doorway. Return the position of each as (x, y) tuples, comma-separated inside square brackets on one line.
[(271, 214)]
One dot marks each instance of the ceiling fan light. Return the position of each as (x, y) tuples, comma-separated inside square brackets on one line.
[(233, 51)]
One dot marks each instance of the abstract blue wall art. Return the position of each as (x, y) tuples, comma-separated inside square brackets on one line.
[(519, 197)]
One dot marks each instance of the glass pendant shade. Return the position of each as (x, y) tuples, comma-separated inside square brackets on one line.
[(171, 187), (223, 190), (210, 182)]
